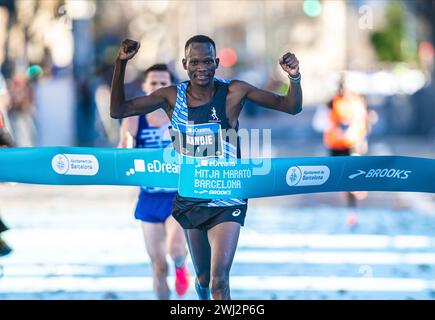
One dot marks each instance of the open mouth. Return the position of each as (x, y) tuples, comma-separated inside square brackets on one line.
[(202, 77)]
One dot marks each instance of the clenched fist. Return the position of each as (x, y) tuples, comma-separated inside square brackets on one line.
[(128, 49), (290, 64)]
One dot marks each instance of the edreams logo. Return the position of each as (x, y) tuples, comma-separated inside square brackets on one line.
[(75, 164), (382, 173), (199, 129), (307, 176), (216, 163), (152, 167)]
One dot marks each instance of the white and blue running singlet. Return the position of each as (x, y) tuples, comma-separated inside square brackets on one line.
[(200, 130)]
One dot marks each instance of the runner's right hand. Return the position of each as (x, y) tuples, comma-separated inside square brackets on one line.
[(128, 49)]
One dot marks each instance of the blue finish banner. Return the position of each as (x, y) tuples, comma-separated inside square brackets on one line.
[(215, 178), (90, 166), (252, 178)]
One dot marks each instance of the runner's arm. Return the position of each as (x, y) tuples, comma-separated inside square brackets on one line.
[(290, 103), (121, 108), (127, 132)]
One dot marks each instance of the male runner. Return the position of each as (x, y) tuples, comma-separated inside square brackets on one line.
[(211, 227), (161, 232)]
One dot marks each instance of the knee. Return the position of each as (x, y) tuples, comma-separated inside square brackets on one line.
[(176, 245), (177, 249), (160, 267), (203, 279), (219, 283)]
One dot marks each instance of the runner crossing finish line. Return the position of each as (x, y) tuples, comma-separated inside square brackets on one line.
[(215, 178)]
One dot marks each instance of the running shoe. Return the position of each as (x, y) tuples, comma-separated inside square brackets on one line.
[(181, 280), (203, 293), (352, 220)]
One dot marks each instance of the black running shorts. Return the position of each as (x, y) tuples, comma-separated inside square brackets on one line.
[(198, 217)]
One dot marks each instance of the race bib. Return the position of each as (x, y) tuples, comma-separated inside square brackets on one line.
[(199, 140)]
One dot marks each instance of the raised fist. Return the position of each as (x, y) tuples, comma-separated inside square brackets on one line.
[(290, 64), (128, 49)]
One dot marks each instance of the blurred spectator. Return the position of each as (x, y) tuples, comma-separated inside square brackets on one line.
[(5, 137), (4, 247), (346, 133), (106, 128), (55, 115), (21, 111), (5, 141), (4, 100)]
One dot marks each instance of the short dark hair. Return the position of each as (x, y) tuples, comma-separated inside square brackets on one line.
[(199, 39), (158, 67)]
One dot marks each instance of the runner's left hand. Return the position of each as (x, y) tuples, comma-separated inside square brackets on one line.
[(290, 64)]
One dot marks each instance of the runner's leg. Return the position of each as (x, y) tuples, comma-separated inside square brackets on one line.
[(155, 234), (223, 241)]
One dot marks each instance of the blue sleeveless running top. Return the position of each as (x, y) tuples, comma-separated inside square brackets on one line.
[(200, 135), (152, 137)]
